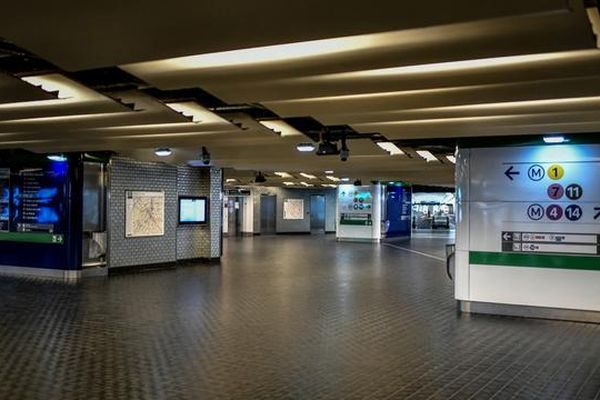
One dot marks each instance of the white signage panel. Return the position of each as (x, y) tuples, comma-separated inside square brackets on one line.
[(144, 214)]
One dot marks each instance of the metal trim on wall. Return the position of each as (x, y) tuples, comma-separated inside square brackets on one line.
[(512, 310)]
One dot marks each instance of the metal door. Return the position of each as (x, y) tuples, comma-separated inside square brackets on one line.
[(268, 207), (317, 213), (233, 212)]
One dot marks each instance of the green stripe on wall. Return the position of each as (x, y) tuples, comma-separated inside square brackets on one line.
[(589, 263), (31, 237)]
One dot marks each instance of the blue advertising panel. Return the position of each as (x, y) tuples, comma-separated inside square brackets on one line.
[(398, 207)]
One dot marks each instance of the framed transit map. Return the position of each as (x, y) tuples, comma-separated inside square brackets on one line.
[(144, 214)]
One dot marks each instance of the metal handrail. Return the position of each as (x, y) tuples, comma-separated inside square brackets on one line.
[(450, 251)]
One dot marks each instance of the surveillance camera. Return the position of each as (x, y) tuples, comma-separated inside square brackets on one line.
[(205, 156), (344, 154)]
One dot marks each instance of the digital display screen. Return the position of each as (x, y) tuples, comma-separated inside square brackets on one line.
[(192, 210)]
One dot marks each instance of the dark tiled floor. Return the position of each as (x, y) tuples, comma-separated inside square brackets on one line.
[(283, 318)]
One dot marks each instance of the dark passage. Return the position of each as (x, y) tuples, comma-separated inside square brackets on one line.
[(283, 318)]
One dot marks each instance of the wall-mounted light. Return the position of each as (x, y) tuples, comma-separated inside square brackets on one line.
[(305, 147), (56, 157), (555, 139), (163, 152), (390, 148), (426, 154)]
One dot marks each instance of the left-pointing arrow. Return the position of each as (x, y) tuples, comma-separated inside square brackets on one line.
[(509, 173)]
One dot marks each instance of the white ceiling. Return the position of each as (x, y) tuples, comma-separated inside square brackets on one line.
[(405, 69)]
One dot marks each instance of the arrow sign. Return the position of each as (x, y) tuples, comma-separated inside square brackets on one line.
[(506, 236), (509, 173)]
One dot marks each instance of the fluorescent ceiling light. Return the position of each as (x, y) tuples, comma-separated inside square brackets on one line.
[(555, 139), (306, 184), (257, 55), (451, 158), (329, 172), (57, 157), (283, 174), (305, 147), (281, 127), (345, 179), (196, 112), (288, 183), (230, 180), (427, 155), (331, 185), (308, 176), (390, 148), (163, 152), (53, 83), (333, 178), (449, 66)]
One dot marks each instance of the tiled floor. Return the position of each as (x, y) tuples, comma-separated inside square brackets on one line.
[(283, 318)]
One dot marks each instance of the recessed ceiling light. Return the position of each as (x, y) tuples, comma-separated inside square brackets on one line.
[(390, 148), (283, 174), (305, 147), (57, 157), (163, 152), (426, 154), (451, 158), (281, 127), (555, 139), (308, 176), (333, 178)]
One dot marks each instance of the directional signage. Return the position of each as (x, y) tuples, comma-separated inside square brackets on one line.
[(524, 195), (543, 242)]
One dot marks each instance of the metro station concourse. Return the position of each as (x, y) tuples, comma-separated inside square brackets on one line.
[(300, 200)]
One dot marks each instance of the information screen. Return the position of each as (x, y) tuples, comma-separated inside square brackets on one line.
[(192, 210)]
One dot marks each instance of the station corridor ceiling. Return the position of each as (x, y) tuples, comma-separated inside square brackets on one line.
[(251, 80)]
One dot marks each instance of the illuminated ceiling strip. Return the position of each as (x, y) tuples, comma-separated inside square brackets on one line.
[(427, 155), (281, 127), (390, 148), (308, 176), (196, 112), (333, 178), (283, 174), (449, 66)]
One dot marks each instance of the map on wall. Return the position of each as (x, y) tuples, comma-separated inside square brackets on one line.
[(293, 209), (144, 214)]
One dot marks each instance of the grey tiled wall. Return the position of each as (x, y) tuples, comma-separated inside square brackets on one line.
[(200, 241), (289, 226), (178, 242)]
